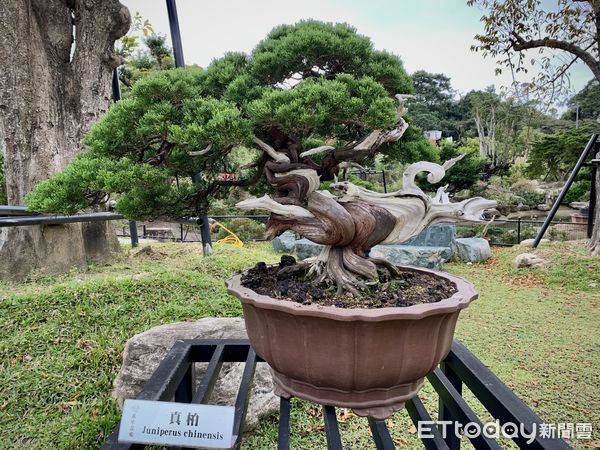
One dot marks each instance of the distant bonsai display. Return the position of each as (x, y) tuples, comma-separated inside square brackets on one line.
[(311, 101)]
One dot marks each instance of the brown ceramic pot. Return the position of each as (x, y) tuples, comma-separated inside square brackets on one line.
[(370, 360)]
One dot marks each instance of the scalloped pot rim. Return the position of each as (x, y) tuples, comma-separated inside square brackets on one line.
[(464, 295)]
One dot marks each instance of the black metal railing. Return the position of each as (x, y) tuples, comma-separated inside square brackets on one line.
[(174, 378), (249, 227), (513, 232), (185, 230)]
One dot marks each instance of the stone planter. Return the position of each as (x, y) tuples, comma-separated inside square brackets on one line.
[(370, 360)]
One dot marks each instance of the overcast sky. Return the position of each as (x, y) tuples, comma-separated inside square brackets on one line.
[(432, 35)]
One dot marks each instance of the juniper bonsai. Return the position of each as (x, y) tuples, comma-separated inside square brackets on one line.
[(312, 100)]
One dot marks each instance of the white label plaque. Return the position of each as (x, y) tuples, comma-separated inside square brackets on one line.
[(169, 423)]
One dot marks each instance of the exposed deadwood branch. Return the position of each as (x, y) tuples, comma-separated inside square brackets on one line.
[(368, 142), (201, 152), (371, 143), (441, 196), (448, 164), (350, 164), (277, 156), (267, 203), (316, 150), (402, 99)]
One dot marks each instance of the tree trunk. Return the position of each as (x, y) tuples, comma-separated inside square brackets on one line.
[(55, 83), (595, 240)]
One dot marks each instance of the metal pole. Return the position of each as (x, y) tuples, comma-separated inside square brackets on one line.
[(133, 234), (116, 89), (519, 230), (205, 235), (384, 183), (116, 94), (592, 207), (180, 225), (179, 62), (565, 188), (175, 33)]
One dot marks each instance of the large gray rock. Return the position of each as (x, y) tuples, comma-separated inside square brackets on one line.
[(144, 352), (284, 243), (473, 249), (438, 235), (307, 249), (409, 255), (579, 205), (529, 242)]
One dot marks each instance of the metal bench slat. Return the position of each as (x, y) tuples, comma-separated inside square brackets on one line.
[(501, 402), (417, 412), (209, 379), (381, 434), (241, 401), (332, 429), (459, 408), (283, 430)]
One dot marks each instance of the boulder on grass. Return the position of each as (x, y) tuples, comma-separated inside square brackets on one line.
[(529, 260), (144, 352), (579, 205), (529, 242), (409, 255), (307, 249), (473, 249), (284, 243)]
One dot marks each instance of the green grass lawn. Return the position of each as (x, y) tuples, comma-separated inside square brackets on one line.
[(61, 340)]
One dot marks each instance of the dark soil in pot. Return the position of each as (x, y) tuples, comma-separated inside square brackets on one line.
[(407, 289)]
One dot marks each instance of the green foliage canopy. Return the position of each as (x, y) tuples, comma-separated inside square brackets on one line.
[(311, 81), (554, 155), (434, 107), (588, 102)]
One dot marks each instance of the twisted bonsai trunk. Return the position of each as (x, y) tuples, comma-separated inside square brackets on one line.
[(353, 220)]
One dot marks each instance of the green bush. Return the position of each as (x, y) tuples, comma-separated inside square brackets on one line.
[(468, 231), (528, 191), (579, 192)]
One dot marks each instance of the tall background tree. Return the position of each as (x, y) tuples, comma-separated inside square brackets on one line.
[(552, 37), (585, 105), (57, 58), (434, 107)]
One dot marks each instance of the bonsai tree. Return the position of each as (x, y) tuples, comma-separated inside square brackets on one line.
[(311, 101)]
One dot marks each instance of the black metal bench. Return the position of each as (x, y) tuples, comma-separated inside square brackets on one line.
[(173, 381)]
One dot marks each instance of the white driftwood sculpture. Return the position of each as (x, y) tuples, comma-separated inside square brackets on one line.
[(351, 220)]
